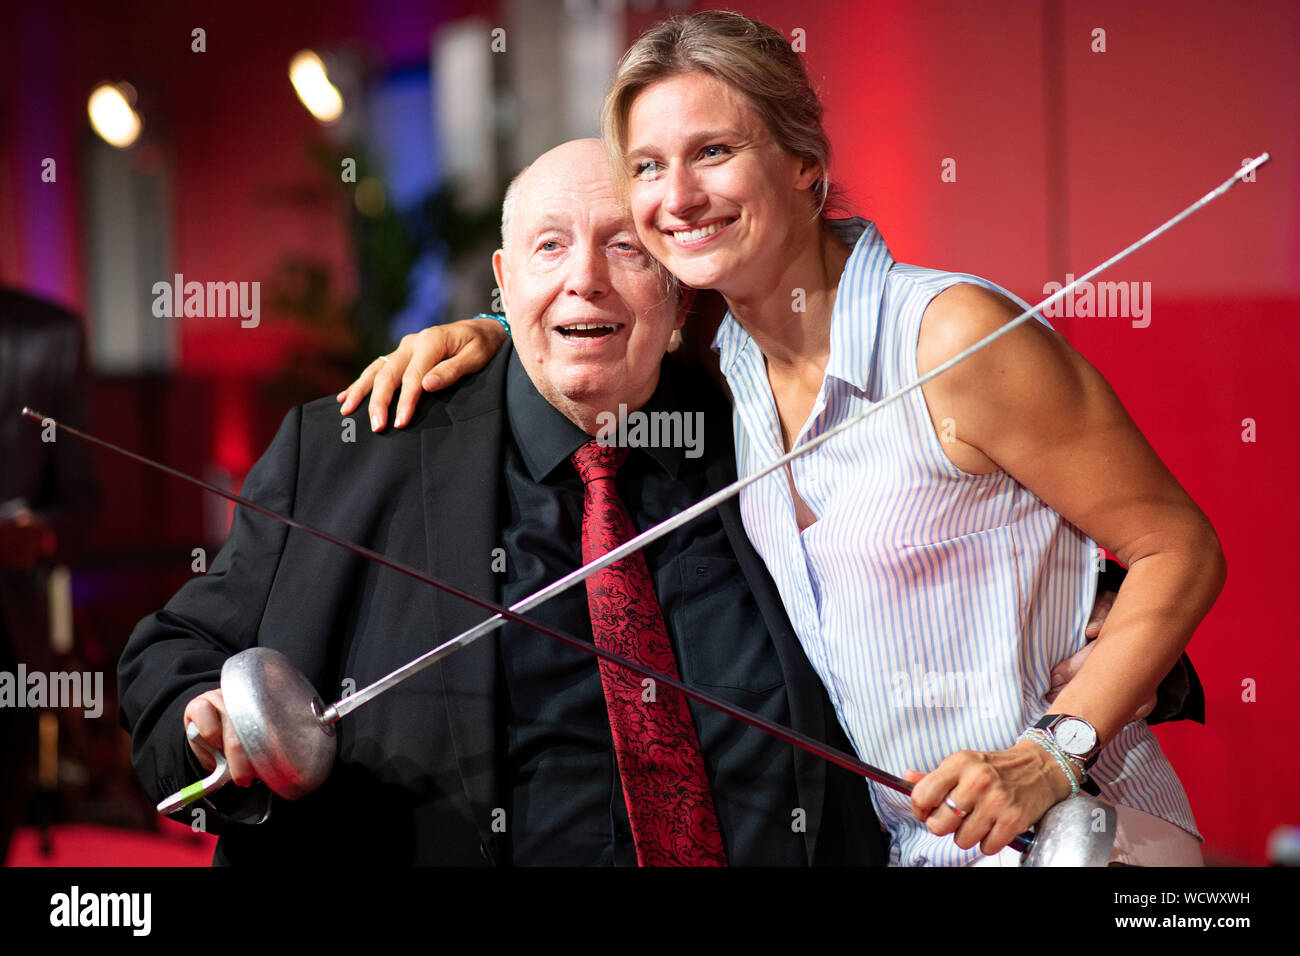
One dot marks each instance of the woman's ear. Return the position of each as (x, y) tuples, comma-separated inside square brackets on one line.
[(810, 171)]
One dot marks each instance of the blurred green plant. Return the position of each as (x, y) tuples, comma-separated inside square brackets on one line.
[(348, 332)]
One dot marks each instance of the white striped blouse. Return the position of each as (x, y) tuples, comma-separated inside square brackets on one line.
[(932, 603)]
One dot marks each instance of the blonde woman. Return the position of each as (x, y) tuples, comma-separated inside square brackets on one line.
[(956, 533)]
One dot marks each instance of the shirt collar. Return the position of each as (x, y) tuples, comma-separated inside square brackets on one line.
[(546, 439), (855, 317)]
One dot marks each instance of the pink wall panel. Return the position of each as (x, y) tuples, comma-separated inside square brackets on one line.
[(1064, 156)]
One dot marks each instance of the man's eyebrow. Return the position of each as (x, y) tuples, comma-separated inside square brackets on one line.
[(546, 222)]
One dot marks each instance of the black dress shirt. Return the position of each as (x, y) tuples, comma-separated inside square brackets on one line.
[(567, 803)]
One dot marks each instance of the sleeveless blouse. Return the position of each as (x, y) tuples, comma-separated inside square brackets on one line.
[(933, 603)]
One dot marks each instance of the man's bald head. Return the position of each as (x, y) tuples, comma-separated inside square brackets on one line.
[(570, 155), (508, 207)]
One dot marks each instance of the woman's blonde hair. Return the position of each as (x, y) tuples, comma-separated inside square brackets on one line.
[(751, 57)]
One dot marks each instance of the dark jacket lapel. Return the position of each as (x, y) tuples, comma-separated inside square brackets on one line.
[(807, 700), (461, 474)]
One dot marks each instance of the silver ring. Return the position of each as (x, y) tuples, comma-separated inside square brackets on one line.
[(948, 801), (383, 358)]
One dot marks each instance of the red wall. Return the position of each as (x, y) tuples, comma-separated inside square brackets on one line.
[(1064, 156)]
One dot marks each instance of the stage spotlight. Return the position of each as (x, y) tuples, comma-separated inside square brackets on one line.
[(313, 86), (112, 116)]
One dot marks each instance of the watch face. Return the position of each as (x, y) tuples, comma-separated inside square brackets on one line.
[(1075, 736)]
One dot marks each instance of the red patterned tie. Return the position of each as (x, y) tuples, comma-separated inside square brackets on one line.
[(659, 759)]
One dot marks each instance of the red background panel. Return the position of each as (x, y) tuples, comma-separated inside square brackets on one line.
[(1064, 156)]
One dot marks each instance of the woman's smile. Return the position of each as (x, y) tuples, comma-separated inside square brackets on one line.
[(695, 235)]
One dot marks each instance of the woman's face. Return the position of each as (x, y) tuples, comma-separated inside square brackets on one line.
[(715, 199)]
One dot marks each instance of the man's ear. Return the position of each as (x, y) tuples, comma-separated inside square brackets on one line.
[(684, 302), (498, 270)]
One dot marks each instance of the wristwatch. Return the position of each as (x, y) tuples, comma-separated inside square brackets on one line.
[(1074, 735)]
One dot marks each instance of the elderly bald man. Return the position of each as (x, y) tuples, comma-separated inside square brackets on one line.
[(516, 750)]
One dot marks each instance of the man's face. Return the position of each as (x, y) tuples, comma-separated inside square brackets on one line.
[(590, 313)]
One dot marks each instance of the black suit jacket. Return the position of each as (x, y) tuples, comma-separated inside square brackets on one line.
[(418, 773)]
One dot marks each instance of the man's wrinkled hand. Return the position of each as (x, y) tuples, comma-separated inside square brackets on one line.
[(208, 713), (1100, 611)]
